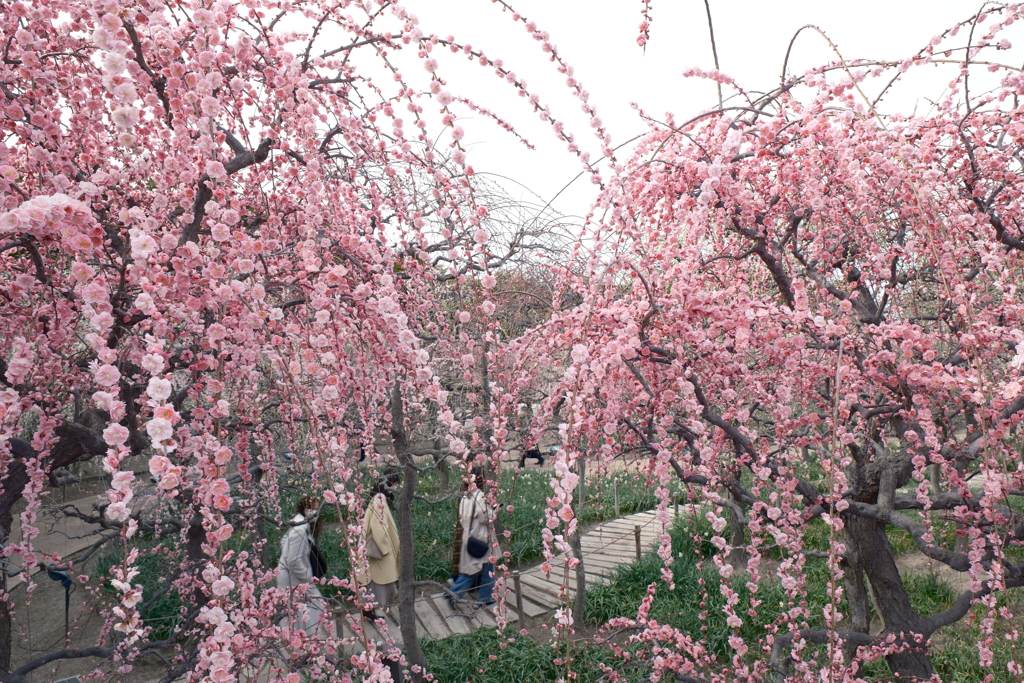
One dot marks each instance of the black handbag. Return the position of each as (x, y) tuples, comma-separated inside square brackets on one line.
[(474, 546), (317, 561)]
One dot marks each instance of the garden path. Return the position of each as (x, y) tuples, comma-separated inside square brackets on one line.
[(607, 546)]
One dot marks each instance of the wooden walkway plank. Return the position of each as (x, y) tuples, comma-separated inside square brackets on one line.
[(482, 617), (604, 569), (435, 625), (454, 620), (552, 587), (623, 553), (540, 598), (531, 607)]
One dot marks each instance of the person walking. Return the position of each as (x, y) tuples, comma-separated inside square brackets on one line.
[(474, 547), (382, 552), (295, 572)]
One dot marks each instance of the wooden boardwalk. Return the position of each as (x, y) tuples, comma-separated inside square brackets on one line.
[(605, 548)]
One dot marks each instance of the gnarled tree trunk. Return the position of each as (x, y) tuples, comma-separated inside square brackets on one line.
[(407, 571), (898, 617), (857, 599), (5, 606), (737, 534)]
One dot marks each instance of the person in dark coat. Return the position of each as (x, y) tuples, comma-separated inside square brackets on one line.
[(531, 453)]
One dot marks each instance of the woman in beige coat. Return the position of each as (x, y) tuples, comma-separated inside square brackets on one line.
[(379, 528)]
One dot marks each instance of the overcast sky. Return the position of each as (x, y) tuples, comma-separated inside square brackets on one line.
[(598, 38)]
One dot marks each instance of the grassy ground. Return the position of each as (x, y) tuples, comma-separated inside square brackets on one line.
[(153, 564), (486, 656), (695, 607)]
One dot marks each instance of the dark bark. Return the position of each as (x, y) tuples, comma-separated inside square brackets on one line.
[(737, 535), (74, 442), (781, 662), (898, 617), (5, 605), (580, 602), (858, 604), (443, 470), (407, 571), (57, 655), (243, 159)]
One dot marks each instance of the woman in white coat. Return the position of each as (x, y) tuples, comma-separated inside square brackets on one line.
[(308, 609), (475, 520)]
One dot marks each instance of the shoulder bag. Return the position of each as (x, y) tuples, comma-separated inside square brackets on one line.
[(476, 547), (373, 550), (317, 561)]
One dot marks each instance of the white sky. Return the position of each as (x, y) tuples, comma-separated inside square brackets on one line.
[(598, 38)]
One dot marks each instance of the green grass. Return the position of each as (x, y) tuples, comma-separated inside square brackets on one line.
[(486, 656), (695, 606), (928, 594), (696, 609), (154, 563)]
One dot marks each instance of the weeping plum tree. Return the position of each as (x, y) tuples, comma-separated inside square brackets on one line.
[(221, 225), (802, 308)]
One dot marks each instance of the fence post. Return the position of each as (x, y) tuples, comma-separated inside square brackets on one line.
[(519, 600), (615, 489), (677, 505), (636, 533)]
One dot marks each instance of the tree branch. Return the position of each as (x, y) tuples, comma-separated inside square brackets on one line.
[(243, 159)]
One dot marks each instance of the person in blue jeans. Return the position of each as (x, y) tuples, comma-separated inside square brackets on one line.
[(475, 572)]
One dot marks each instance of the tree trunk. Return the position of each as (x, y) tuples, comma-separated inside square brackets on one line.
[(5, 605), (869, 541), (859, 618), (580, 603), (407, 572), (737, 535), (443, 472), (493, 469), (935, 477)]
